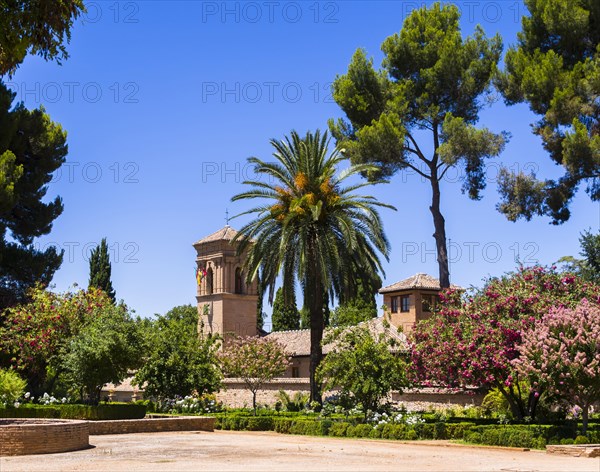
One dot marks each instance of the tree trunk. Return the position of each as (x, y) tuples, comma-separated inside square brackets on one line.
[(584, 418), (439, 225), (313, 299), (254, 401)]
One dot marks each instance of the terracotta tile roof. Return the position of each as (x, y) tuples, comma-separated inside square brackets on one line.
[(224, 234), (417, 281), (297, 342)]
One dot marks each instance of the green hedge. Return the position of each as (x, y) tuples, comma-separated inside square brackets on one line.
[(525, 436), (103, 411)]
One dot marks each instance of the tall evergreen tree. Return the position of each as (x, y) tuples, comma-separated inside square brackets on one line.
[(420, 110), (285, 314), (100, 269), (32, 147), (555, 69)]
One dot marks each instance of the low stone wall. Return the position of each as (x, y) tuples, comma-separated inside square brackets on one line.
[(152, 425), (42, 436), (235, 394), (438, 397)]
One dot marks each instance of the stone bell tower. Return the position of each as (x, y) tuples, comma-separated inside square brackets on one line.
[(226, 304)]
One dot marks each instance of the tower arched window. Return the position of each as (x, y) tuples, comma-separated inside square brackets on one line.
[(209, 281), (238, 281)]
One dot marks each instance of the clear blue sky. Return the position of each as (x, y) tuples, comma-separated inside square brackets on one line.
[(163, 102)]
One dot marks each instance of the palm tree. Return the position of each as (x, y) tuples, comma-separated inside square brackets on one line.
[(311, 229)]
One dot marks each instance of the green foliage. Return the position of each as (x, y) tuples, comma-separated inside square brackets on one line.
[(297, 402), (105, 350), (311, 227), (100, 270), (588, 267), (285, 313), (555, 68), (179, 362), (103, 411), (362, 367), (526, 436), (32, 27), (32, 147), (427, 95), (12, 386), (360, 305)]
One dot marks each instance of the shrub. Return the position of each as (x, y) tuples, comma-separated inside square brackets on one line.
[(581, 440), (339, 429), (103, 411), (12, 386)]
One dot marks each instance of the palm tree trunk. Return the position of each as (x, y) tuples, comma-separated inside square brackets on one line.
[(313, 299), (440, 231)]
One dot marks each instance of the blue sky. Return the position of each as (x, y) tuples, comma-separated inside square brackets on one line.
[(163, 102)]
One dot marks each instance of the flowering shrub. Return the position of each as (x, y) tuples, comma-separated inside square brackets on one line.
[(36, 334), (561, 355), (399, 417), (474, 338), (191, 405)]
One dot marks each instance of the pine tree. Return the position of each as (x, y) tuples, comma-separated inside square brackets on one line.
[(32, 147), (285, 315), (100, 269)]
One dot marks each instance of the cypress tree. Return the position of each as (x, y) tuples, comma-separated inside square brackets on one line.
[(100, 269), (285, 315)]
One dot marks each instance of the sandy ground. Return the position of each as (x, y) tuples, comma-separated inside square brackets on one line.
[(242, 451)]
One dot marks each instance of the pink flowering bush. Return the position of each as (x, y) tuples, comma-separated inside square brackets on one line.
[(561, 355), (474, 337), (34, 336), (254, 360)]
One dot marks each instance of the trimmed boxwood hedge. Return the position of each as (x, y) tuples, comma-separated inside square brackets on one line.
[(103, 411), (525, 436)]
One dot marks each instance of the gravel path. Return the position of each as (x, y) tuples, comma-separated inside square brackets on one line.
[(243, 451)]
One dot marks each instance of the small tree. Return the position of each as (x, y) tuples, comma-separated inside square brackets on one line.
[(105, 351), (285, 315), (100, 270), (362, 366), (179, 362), (561, 355), (254, 360)]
